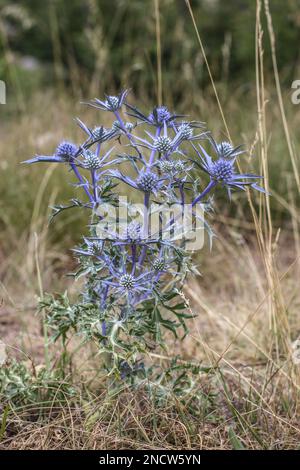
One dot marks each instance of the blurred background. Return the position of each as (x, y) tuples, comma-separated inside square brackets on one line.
[(88, 46)]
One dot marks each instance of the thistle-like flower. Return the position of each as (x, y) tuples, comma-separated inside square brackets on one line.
[(166, 166), (128, 126), (163, 144), (159, 264), (91, 161), (65, 152), (172, 166), (94, 161), (147, 181), (97, 135), (159, 117), (133, 231), (225, 149), (186, 131), (122, 282), (222, 170), (95, 247), (111, 103), (90, 248), (101, 134), (127, 282), (179, 166)]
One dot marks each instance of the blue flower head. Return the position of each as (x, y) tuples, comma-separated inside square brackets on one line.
[(147, 181), (186, 131), (94, 248), (225, 149), (127, 282), (160, 115), (163, 144), (159, 264), (100, 134), (133, 231), (222, 170), (66, 151), (172, 168), (90, 248), (122, 282), (92, 161), (111, 103)]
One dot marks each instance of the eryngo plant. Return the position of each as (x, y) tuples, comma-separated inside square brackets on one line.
[(133, 282), (23, 385)]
